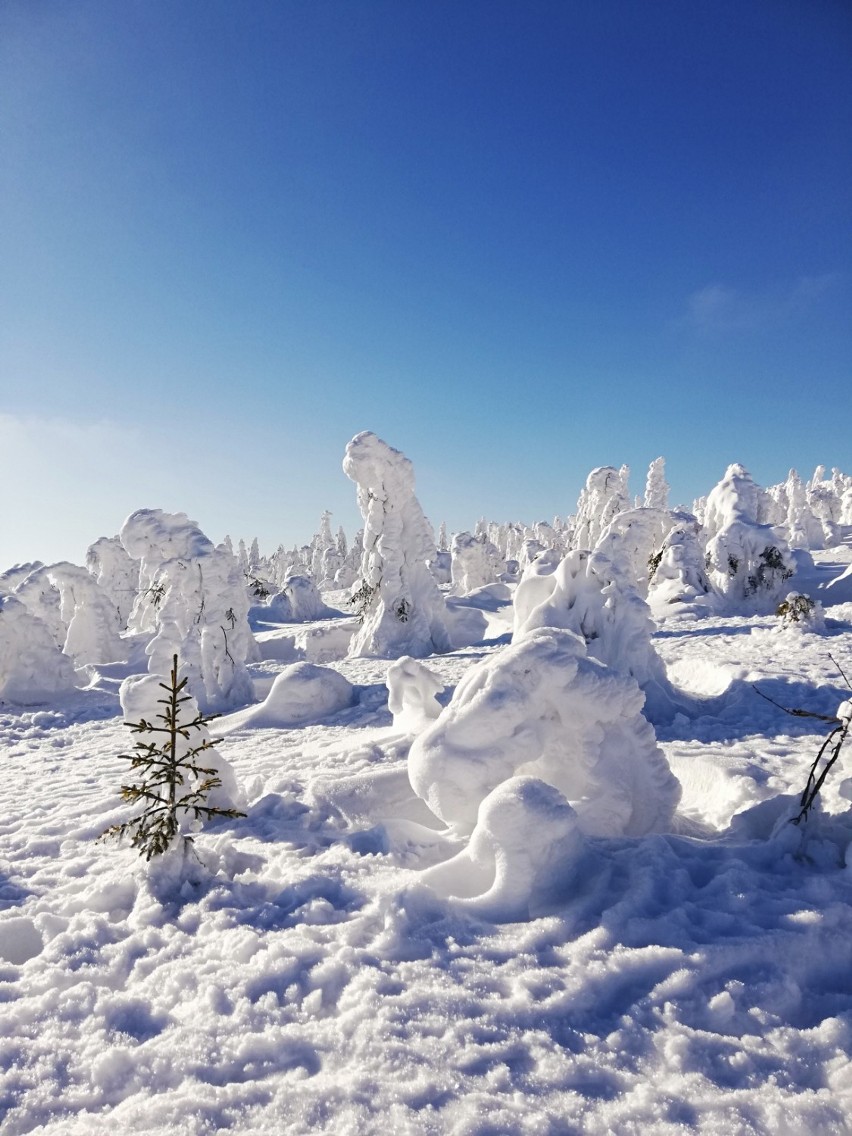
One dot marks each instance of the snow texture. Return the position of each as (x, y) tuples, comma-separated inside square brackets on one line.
[(402, 608), (541, 707)]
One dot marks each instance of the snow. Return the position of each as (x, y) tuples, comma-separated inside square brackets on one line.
[(584, 923)]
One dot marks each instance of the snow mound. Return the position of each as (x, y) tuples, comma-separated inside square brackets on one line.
[(542, 707), (303, 692), (523, 855)]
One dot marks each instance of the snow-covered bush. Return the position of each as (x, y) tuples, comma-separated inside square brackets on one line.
[(542, 708), (32, 667), (640, 535), (799, 610), (401, 608), (413, 691), (195, 601), (748, 562), (81, 616), (593, 595), (184, 780), (305, 601), (302, 692)]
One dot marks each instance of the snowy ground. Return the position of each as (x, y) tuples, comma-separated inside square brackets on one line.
[(693, 982)]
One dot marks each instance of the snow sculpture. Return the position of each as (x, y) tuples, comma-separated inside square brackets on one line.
[(605, 495), (399, 602), (656, 487), (679, 583), (475, 563), (748, 562), (32, 668), (195, 601), (542, 708), (523, 856), (413, 691), (592, 594), (116, 572), (141, 698)]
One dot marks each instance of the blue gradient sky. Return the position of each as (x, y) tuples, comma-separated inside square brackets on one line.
[(517, 240)]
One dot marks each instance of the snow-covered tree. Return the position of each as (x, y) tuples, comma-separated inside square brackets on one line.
[(32, 667), (196, 603), (475, 563), (656, 487), (604, 495), (679, 581), (116, 572), (401, 608)]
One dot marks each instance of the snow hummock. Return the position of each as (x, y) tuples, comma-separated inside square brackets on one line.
[(302, 692), (401, 606), (542, 707)]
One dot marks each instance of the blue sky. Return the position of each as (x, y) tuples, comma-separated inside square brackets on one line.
[(515, 240)]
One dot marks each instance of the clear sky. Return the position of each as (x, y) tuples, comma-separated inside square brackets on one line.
[(516, 240)]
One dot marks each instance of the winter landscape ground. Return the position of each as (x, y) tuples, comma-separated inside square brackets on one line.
[(517, 853)]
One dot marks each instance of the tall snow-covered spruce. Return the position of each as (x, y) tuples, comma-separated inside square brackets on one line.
[(402, 611)]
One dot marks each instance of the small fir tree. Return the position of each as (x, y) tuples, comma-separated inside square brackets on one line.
[(173, 783)]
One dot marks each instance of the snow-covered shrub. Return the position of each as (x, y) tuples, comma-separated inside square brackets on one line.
[(303, 692), (679, 583), (799, 610), (116, 572), (542, 708), (401, 607), (641, 533), (32, 667), (604, 495), (475, 563), (305, 601), (184, 780), (523, 856), (748, 562), (593, 595), (413, 691), (195, 601)]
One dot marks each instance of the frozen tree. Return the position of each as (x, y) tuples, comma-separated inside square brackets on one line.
[(401, 608), (802, 527), (541, 708), (604, 495), (638, 536), (92, 619), (442, 537), (679, 581), (656, 488), (40, 596), (116, 572), (305, 601), (475, 563), (32, 667), (12, 577), (592, 594), (413, 691), (254, 564), (196, 604), (748, 562)]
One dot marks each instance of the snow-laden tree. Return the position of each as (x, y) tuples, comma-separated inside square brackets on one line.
[(542, 708), (196, 604), (92, 619), (679, 583), (413, 691), (604, 495), (656, 487), (748, 562), (593, 595), (402, 610), (116, 572), (14, 576), (33, 669), (40, 596), (800, 525), (475, 563), (638, 535)]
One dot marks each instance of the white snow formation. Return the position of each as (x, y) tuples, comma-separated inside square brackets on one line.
[(604, 495), (475, 563), (32, 667), (679, 583), (413, 691), (541, 707), (193, 598), (305, 600), (116, 572), (401, 606), (656, 487), (80, 614), (302, 692), (523, 857)]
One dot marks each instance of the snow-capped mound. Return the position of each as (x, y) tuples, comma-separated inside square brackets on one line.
[(401, 607), (303, 692), (413, 691), (304, 599), (523, 856), (542, 707)]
